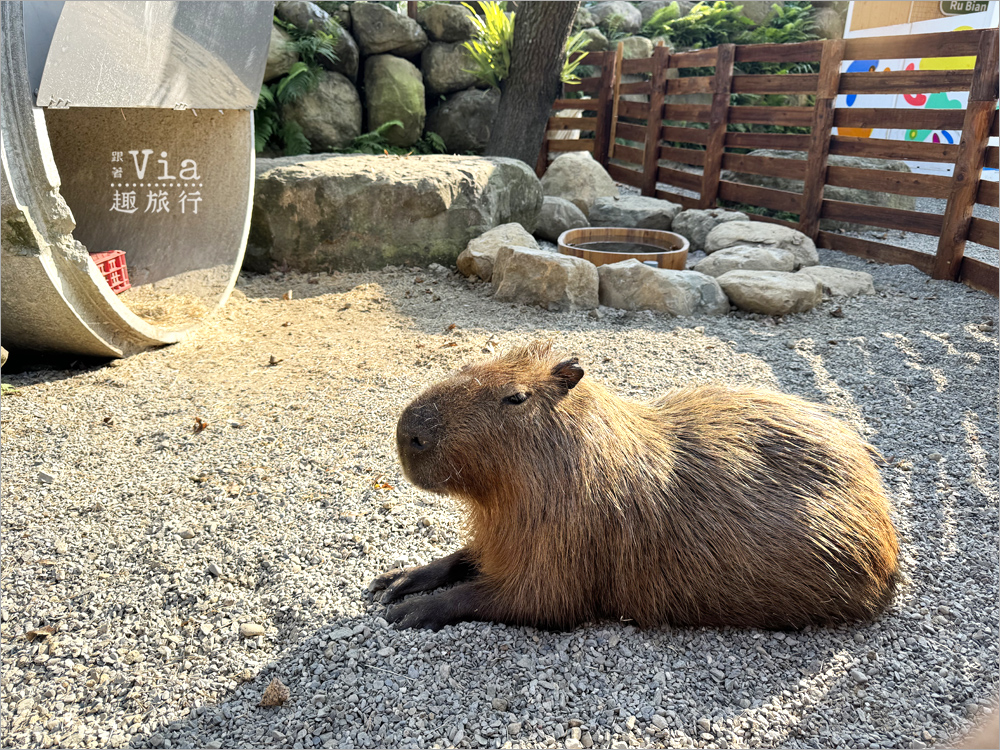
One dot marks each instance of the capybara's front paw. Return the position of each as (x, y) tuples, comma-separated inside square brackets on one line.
[(384, 581), (418, 612)]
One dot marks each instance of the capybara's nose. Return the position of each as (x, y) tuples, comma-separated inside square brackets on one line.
[(418, 429)]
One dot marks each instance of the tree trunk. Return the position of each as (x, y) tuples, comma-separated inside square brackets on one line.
[(540, 31)]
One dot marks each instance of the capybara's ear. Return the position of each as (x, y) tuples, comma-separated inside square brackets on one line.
[(568, 372)]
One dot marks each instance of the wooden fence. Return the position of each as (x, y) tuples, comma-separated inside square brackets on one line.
[(659, 144)]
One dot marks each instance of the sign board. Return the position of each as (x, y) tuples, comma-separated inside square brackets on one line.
[(963, 7)]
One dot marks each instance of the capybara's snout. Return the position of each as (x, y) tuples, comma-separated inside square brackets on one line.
[(418, 433)]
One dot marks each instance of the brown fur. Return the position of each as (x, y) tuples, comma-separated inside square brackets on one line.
[(707, 506)]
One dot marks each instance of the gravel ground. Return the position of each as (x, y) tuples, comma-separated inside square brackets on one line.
[(180, 571)]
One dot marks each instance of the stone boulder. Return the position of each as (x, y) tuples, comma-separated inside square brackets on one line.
[(281, 54), (829, 23), (350, 212), (696, 223), (584, 19), (733, 233), (636, 48), (348, 56), (771, 292), (850, 195), (464, 120), (839, 282), (596, 41), (330, 114), (305, 16), (617, 16), (633, 211), (445, 67), (447, 22), (648, 8), (578, 178), (480, 255), (633, 285), (747, 258), (394, 90), (558, 215), (551, 280), (380, 30)]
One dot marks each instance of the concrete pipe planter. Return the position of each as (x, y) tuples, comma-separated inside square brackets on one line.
[(126, 126)]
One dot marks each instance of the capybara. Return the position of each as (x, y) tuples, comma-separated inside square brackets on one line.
[(706, 506)]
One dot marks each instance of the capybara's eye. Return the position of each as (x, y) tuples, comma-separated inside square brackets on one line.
[(518, 398)]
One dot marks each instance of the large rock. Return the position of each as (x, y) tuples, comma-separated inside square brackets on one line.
[(696, 223), (771, 292), (551, 280), (380, 30), (839, 282), (352, 212), (305, 16), (831, 192), (634, 211), (617, 16), (829, 23), (748, 258), (345, 49), (480, 255), (733, 233), (394, 90), (447, 22), (281, 54), (578, 178), (636, 48), (596, 41), (632, 285), (330, 114), (648, 8), (558, 215), (584, 19), (445, 67), (464, 120)]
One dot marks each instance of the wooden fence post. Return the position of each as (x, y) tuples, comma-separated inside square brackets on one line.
[(411, 9), (819, 139), (654, 120), (542, 163), (717, 120), (607, 105), (969, 162)]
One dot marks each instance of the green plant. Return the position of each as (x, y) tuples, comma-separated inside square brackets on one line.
[(575, 45), (375, 143), (490, 50), (6, 389), (707, 25)]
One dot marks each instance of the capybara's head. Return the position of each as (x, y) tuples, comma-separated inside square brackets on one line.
[(462, 434)]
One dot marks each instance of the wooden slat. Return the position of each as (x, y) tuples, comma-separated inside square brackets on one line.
[(776, 200), (787, 116), (792, 169), (684, 200), (571, 123), (683, 155), (880, 216), (628, 176), (595, 59), (684, 135), (692, 85), (979, 112), (603, 133), (575, 103), (883, 181), (880, 148), (987, 193), (781, 141), (800, 52), (616, 102), (638, 87), (654, 118), (793, 83), (586, 86), (686, 112), (629, 154), (905, 82), (701, 58), (814, 176), (980, 275), (635, 110), (941, 44), (921, 119), (717, 120), (878, 251), (583, 144), (995, 126), (679, 179), (992, 157), (773, 220), (641, 65), (630, 132), (984, 232)]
